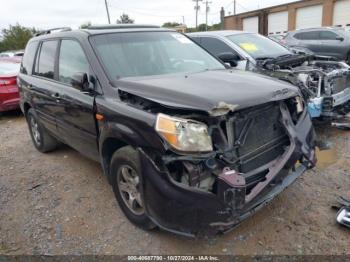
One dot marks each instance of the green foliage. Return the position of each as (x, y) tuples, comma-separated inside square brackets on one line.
[(170, 24), (85, 25), (16, 37), (202, 28), (125, 19)]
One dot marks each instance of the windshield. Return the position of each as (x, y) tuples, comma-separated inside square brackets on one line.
[(151, 53), (258, 46), (8, 68)]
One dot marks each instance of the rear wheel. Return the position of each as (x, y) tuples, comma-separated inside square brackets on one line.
[(126, 173), (42, 140)]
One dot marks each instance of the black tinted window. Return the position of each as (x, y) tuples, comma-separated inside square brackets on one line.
[(46, 60), (72, 61), (28, 58), (328, 35), (215, 46), (312, 35)]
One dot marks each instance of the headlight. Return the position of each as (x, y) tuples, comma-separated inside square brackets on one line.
[(300, 104), (183, 134)]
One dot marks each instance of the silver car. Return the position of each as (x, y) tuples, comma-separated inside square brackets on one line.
[(325, 41), (324, 84)]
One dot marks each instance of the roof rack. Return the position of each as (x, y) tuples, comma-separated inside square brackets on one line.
[(120, 26), (49, 31)]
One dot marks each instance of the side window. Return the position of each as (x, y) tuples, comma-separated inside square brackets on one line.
[(28, 58), (216, 46), (312, 35), (45, 62), (328, 35), (72, 62)]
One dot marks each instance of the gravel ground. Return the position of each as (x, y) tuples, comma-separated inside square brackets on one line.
[(61, 203)]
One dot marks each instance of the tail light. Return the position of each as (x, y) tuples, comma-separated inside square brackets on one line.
[(8, 81)]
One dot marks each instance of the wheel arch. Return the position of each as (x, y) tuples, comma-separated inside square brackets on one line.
[(107, 149), (26, 107)]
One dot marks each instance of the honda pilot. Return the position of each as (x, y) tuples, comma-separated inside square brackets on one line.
[(188, 145)]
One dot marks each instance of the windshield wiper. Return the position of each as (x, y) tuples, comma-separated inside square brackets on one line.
[(265, 58)]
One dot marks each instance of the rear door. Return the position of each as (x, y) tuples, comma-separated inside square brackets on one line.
[(76, 118), (309, 39), (42, 86)]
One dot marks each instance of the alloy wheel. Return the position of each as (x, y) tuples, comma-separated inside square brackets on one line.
[(34, 127), (129, 188)]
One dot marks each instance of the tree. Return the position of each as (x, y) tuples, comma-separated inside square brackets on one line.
[(16, 37), (125, 19), (202, 27), (85, 25), (170, 24)]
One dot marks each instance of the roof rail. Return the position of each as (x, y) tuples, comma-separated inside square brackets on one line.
[(49, 31), (120, 26)]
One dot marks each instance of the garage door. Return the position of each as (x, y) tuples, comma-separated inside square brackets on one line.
[(341, 15), (278, 22), (251, 24), (308, 17)]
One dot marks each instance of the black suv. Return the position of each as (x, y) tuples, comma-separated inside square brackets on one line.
[(187, 144)]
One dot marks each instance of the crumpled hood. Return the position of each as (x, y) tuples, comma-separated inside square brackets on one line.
[(209, 91)]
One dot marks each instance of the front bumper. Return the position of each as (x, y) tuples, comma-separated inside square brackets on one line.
[(192, 212), (326, 106)]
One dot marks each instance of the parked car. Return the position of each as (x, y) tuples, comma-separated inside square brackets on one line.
[(9, 96), (12, 54), (325, 41), (178, 135), (324, 84)]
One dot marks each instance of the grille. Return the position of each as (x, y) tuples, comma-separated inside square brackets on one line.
[(265, 139)]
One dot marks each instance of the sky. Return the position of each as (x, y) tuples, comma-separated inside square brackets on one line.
[(44, 14)]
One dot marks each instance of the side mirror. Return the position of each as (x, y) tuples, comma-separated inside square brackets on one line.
[(229, 58), (340, 38), (81, 82)]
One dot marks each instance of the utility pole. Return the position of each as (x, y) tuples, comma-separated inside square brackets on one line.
[(109, 19), (234, 7), (197, 7), (207, 8), (183, 19)]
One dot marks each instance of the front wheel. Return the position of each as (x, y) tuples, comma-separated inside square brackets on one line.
[(126, 173)]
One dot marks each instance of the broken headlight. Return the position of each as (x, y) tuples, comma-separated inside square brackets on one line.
[(184, 134)]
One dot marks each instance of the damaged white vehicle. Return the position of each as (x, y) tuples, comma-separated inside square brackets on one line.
[(325, 84)]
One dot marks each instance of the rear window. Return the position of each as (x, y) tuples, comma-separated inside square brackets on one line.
[(46, 60), (28, 58), (8, 68)]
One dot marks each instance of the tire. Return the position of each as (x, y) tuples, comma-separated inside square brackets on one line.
[(348, 59), (125, 172), (41, 139)]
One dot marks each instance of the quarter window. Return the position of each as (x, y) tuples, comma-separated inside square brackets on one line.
[(46, 60), (72, 61), (28, 58)]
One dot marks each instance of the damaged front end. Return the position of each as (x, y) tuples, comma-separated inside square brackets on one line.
[(324, 84), (256, 153)]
